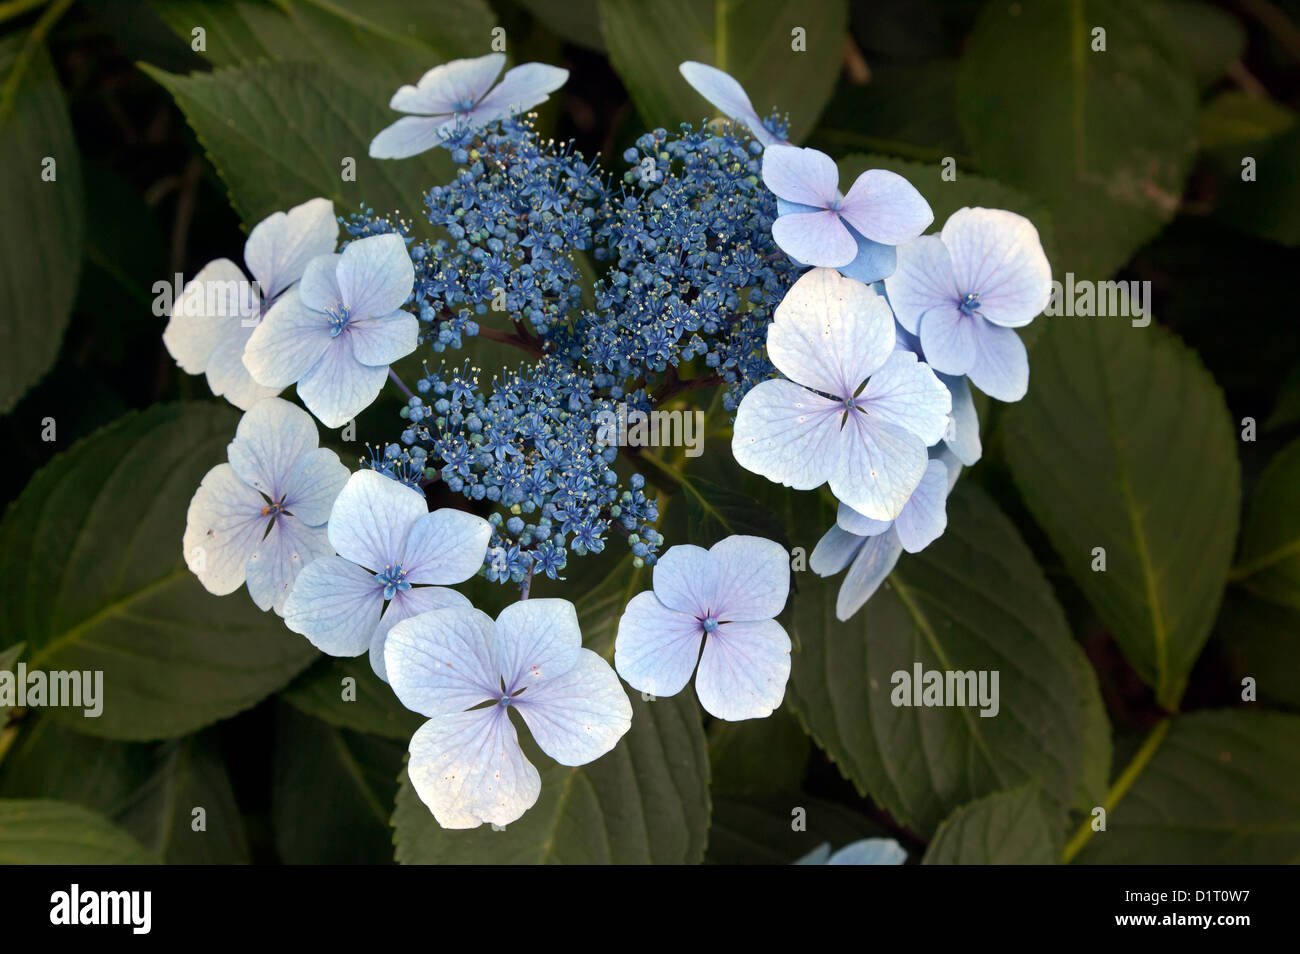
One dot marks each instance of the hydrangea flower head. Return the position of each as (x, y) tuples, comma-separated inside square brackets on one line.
[(219, 308), (466, 763), (874, 546), (459, 95), (820, 226), (339, 333), (259, 519), (964, 290), (722, 91), (726, 597), (390, 549), (830, 334), (868, 851)]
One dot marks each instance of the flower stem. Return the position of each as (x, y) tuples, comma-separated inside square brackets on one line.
[(392, 375)]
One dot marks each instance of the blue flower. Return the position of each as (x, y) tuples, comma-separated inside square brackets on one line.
[(831, 334), (722, 90), (259, 519), (964, 290), (389, 547), (466, 763), (455, 96), (963, 434), (218, 308), (868, 851), (727, 597), (855, 233), (874, 546), (338, 334)]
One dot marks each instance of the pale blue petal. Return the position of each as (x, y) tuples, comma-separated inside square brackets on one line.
[(1001, 365), (743, 670), (339, 387), (409, 136), (806, 176), (873, 564), (722, 90), (873, 261), (834, 551), (870, 851), (227, 375), (336, 605), (579, 715), (441, 661), (877, 466), (817, 856), (313, 485), (520, 90), (279, 558), (906, 393), (372, 517), (963, 436), (468, 768), (886, 208), (787, 434), (830, 332), (925, 516), (686, 579), (753, 578), (922, 281), (445, 547), (382, 341), (536, 640), (404, 605), (997, 255), (450, 86), (280, 246), (269, 441), (852, 521), (223, 527), (656, 648), (319, 286), (815, 238), (287, 344), (375, 277), (212, 305), (948, 339)]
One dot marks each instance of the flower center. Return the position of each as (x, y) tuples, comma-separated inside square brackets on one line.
[(272, 509), (394, 579), (970, 304), (505, 701), (462, 105), (710, 624), (338, 316)]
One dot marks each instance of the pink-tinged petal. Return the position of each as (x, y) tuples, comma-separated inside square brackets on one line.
[(948, 339), (409, 136), (815, 238), (269, 441), (997, 255), (313, 485), (318, 289), (280, 246), (212, 305), (834, 551), (339, 387), (906, 393), (375, 277), (873, 564), (723, 92), (878, 465), (1001, 365), (580, 715), (383, 341), (287, 344), (886, 208), (852, 521), (227, 375), (687, 579), (520, 90), (280, 557), (744, 669), (445, 547), (753, 578), (536, 640), (469, 769), (829, 332), (801, 175), (223, 527), (441, 661), (336, 605), (371, 518), (404, 605), (922, 282), (449, 86), (787, 434), (925, 516), (656, 648)]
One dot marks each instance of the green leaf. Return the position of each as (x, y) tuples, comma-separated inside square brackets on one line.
[(974, 600), (1106, 139), (1210, 38), (366, 704), (40, 254), (1262, 640), (1221, 788), (758, 756), (1006, 828), (750, 39), (94, 579), (8, 661), (278, 133), (43, 832), (1234, 119), (1126, 444), (1269, 562), (332, 793), (645, 802), (760, 830), (714, 511), (577, 21)]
